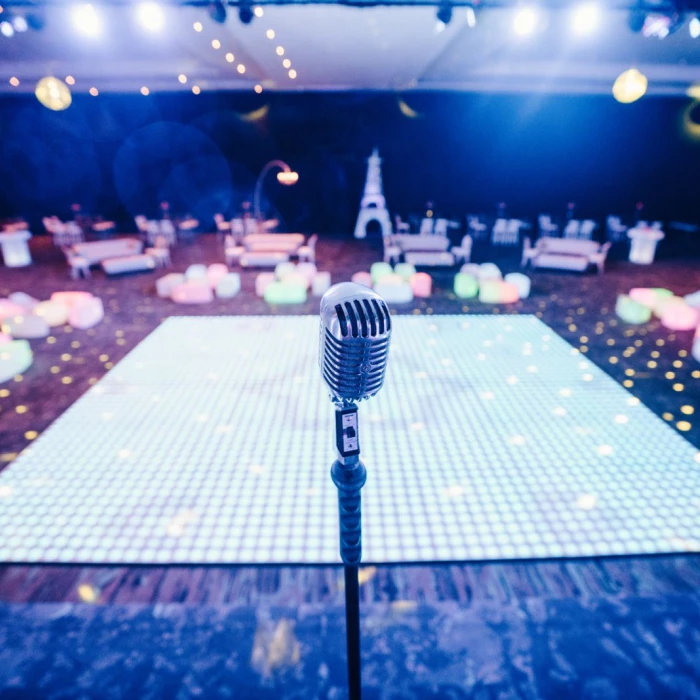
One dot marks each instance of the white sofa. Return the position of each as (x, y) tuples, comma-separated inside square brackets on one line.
[(97, 251), (566, 254)]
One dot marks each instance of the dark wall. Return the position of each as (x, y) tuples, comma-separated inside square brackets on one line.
[(121, 155)]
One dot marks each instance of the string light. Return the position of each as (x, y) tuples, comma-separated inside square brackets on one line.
[(258, 11), (292, 74), (70, 80), (94, 91), (215, 43), (14, 81), (270, 33), (287, 63), (197, 26), (145, 91), (230, 57), (258, 89), (240, 68), (182, 78), (280, 50), (195, 89)]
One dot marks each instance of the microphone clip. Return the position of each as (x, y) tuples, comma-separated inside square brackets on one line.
[(347, 433)]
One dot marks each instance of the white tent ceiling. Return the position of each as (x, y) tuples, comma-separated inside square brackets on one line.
[(333, 47)]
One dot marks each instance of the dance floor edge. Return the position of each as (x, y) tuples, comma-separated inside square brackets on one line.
[(211, 443)]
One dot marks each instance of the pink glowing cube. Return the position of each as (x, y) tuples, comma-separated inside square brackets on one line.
[(86, 313), (215, 272), (421, 284), (70, 298), (680, 317), (8, 309), (364, 278), (646, 297), (193, 292)]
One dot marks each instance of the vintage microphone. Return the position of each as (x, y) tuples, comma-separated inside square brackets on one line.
[(353, 351)]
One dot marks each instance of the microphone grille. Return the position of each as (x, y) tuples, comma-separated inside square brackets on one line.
[(363, 318)]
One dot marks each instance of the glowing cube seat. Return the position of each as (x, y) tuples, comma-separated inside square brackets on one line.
[(26, 325), (521, 281), (421, 284), (197, 291), (364, 278), (86, 313), (489, 271), (285, 292), (494, 291), (394, 291), (215, 272), (284, 268), (680, 317), (228, 286), (405, 271), (631, 310), (263, 281), (465, 286), (196, 272), (15, 358), (70, 298), (166, 284), (379, 270), (24, 300), (9, 308), (321, 283), (55, 313)]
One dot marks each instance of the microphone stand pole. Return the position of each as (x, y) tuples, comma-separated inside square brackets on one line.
[(349, 476)]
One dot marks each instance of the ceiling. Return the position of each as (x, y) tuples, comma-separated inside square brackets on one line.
[(333, 47)]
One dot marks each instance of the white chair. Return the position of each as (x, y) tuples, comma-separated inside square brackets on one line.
[(160, 252), (546, 227), (463, 252), (572, 228), (588, 226), (402, 226), (222, 226), (529, 252), (426, 226), (250, 226), (498, 233), (167, 230), (440, 228), (237, 229), (79, 266), (614, 229), (392, 251), (476, 228), (307, 253), (512, 235), (598, 259)]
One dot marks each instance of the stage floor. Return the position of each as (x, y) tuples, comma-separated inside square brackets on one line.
[(211, 442)]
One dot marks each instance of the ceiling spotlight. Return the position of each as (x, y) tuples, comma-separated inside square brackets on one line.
[(629, 86), (6, 29), (245, 13), (471, 17), (86, 20), (20, 24), (525, 21), (694, 27), (217, 11), (150, 16), (444, 13), (586, 19)]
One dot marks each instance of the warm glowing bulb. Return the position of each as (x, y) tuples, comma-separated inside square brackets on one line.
[(629, 86), (196, 90), (280, 50), (70, 80), (586, 19), (150, 16), (216, 44), (145, 91), (182, 78), (694, 27), (525, 21), (53, 94), (230, 57), (197, 26), (258, 89), (240, 68), (258, 11), (292, 74), (270, 33), (94, 91), (86, 20), (14, 81), (287, 63)]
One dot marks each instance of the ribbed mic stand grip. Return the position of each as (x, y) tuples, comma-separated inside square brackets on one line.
[(349, 479)]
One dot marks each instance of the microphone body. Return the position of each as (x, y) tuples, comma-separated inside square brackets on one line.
[(354, 342)]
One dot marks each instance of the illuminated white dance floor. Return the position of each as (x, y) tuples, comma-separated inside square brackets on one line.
[(211, 442)]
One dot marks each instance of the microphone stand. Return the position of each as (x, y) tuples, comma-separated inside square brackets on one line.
[(349, 476)]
